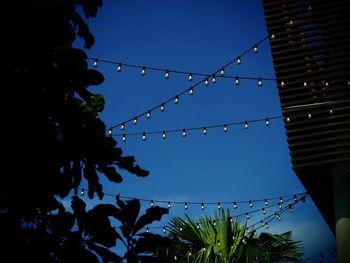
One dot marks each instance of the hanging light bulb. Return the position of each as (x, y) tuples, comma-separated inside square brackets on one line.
[(330, 111), (124, 138), (119, 67), (110, 132), (180, 228), (295, 199), (267, 225), (219, 205), (186, 206), (184, 133), (246, 126), (305, 84), (250, 204), (222, 72), (231, 219), (164, 135), (205, 130), (260, 83), (214, 223), (202, 206), (190, 76), (267, 122), (175, 257), (167, 74), (255, 49), (266, 202), (277, 216), (95, 63), (191, 91), (237, 81), (263, 210), (148, 114), (162, 107), (122, 126), (213, 79), (282, 84), (291, 23), (152, 203), (279, 205), (262, 223), (164, 229), (234, 205), (135, 121), (177, 100), (197, 225), (273, 36), (147, 229), (82, 191), (247, 215), (143, 136), (238, 60), (219, 243), (281, 200), (206, 82), (309, 116), (169, 204), (290, 208), (143, 71), (225, 128)]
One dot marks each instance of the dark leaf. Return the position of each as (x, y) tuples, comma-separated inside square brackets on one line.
[(152, 214), (106, 255), (150, 242), (94, 77)]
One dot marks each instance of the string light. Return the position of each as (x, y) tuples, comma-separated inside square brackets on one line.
[(234, 205), (184, 133), (273, 37), (164, 135), (255, 49), (222, 72), (260, 83), (237, 81), (186, 206), (309, 116), (238, 61), (135, 121), (191, 91), (110, 132), (281, 200), (177, 100), (250, 204), (219, 205), (197, 225), (206, 82), (152, 203), (147, 229), (205, 130), (246, 126), (290, 208), (190, 76), (124, 138), (282, 84), (167, 74), (288, 119), (169, 204), (143, 71), (164, 229), (267, 122), (213, 79), (119, 67), (266, 202), (144, 136), (82, 192), (162, 107), (263, 210), (305, 84), (225, 128), (148, 115), (202, 206), (122, 126), (95, 63), (247, 215)]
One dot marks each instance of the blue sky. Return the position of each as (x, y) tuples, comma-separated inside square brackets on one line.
[(242, 164)]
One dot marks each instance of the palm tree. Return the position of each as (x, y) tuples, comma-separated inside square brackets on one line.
[(226, 240)]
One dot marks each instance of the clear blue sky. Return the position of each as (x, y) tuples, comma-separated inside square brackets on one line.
[(243, 164)]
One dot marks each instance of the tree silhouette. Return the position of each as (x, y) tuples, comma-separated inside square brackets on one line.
[(55, 140), (225, 240)]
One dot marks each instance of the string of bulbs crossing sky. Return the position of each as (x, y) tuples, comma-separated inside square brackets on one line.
[(190, 90), (250, 230)]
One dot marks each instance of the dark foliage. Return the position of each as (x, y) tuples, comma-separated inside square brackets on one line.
[(55, 140)]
